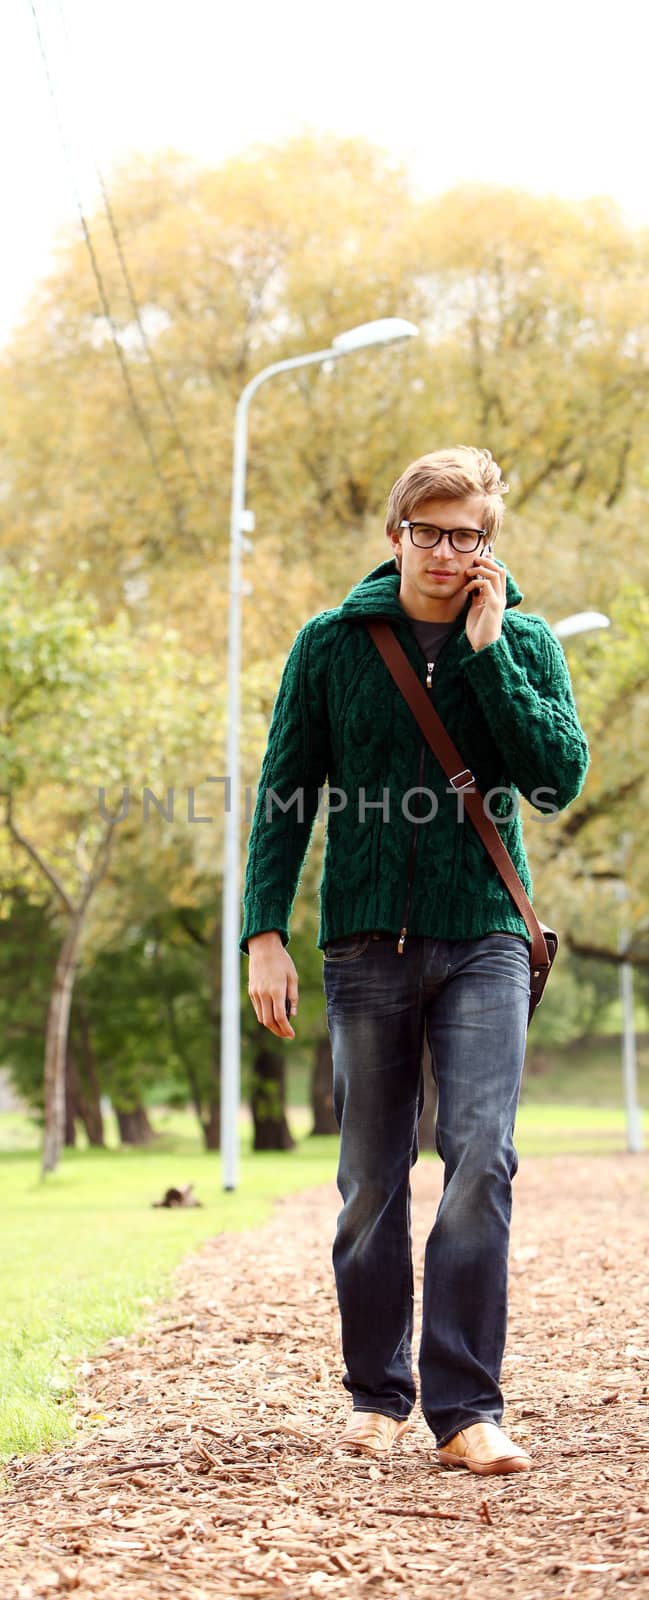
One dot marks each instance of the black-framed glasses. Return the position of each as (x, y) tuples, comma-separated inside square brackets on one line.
[(426, 536)]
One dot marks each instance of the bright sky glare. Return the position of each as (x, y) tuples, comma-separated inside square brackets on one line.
[(549, 95)]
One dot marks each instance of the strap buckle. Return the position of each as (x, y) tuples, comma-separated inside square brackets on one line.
[(467, 779)]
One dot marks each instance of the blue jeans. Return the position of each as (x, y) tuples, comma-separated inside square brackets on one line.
[(471, 997)]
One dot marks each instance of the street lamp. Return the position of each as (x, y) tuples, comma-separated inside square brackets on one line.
[(385, 330), (580, 622), (634, 1140), (584, 622)]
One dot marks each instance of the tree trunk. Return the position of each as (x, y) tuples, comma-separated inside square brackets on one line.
[(322, 1099), (426, 1127), (211, 1126), (90, 1090), (134, 1126), (70, 1108), (212, 1123), (58, 1013), (267, 1101), (185, 1059), (183, 1055), (56, 1037), (82, 1084)]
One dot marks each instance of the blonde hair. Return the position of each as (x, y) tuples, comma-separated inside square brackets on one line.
[(449, 475)]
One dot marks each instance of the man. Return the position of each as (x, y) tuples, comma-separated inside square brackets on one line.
[(419, 935)]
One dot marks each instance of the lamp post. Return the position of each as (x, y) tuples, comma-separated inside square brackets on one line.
[(634, 1140), (385, 330), (584, 622)]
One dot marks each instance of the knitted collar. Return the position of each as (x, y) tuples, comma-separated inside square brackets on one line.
[(377, 594)]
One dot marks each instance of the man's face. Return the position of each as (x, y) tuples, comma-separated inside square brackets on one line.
[(433, 582)]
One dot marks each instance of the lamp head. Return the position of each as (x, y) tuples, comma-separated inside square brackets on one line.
[(385, 330), (581, 622)]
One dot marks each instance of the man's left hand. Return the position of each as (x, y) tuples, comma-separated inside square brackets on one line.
[(486, 582)]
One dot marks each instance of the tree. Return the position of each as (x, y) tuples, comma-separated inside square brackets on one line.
[(268, 1098), (322, 1101), (80, 701), (534, 318)]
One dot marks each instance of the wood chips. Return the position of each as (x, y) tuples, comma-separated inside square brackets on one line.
[(205, 1465)]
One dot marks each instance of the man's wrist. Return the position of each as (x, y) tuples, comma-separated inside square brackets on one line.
[(269, 935), (484, 643)]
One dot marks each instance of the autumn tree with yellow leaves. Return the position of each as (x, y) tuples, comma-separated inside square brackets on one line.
[(534, 341)]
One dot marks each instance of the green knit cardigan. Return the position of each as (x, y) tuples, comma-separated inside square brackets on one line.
[(339, 720)]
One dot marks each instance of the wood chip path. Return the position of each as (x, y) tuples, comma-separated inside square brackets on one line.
[(203, 1465)]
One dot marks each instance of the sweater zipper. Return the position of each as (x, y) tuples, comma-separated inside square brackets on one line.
[(414, 836), (410, 875)]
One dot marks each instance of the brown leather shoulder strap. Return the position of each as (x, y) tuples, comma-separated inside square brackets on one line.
[(459, 775)]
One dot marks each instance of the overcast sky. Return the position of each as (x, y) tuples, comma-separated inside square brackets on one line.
[(550, 96)]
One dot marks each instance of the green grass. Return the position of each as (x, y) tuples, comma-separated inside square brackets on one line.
[(85, 1252), (588, 1073), (572, 1130)]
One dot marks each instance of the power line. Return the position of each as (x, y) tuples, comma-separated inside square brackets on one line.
[(138, 413), (112, 222), (169, 409)]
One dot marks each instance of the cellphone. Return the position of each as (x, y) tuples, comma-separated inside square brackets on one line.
[(288, 1006)]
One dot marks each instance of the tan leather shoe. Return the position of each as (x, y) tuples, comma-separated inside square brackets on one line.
[(483, 1448), (372, 1433)]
